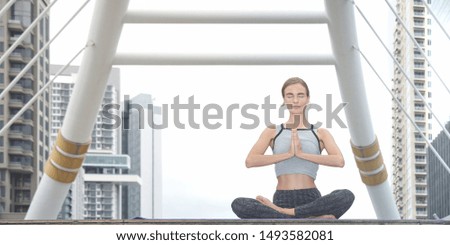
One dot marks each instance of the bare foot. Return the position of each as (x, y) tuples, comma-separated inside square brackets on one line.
[(325, 216), (268, 203)]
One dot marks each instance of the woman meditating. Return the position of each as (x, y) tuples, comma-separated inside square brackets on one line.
[(297, 148)]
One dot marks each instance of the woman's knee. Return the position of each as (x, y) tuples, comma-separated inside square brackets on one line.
[(346, 196), (239, 206), (345, 192), (237, 203), (349, 196)]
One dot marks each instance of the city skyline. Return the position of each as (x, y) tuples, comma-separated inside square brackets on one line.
[(212, 85), (253, 84)]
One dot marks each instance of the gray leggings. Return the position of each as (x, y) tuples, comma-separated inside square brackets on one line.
[(306, 202)]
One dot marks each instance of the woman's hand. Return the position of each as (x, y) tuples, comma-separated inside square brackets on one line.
[(296, 146), (334, 156)]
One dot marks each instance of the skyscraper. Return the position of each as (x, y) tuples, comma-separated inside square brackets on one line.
[(105, 141), (93, 196), (142, 142), (408, 147), (439, 178), (24, 147)]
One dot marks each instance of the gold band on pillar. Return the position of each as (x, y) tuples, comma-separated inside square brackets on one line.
[(59, 174), (369, 159), (71, 147), (370, 165), (65, 159), (375, 179), (366, 151)]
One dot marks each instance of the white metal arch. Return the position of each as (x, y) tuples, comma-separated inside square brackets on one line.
[(108, 19)]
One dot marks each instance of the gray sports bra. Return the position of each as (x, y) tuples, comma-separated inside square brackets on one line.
[(294, 165)]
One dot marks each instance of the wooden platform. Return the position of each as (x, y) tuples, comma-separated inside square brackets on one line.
[(226, 222)]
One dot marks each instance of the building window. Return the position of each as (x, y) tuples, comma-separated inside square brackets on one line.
[(23, 11)]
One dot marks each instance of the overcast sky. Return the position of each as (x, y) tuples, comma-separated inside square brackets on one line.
[(203, 169)]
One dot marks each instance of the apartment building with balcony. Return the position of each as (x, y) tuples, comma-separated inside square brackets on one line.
[(105, 146), (25, 146), (409, 154)]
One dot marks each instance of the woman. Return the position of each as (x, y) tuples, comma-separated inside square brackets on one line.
[(297, 148)]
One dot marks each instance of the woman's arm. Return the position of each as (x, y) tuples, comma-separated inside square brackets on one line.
[(334, 157), (256, 157)]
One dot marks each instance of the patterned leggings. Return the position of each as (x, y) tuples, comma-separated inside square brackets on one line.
[(308, 203)]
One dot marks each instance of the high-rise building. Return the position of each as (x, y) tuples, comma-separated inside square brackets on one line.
[(105, 177), (106, 141), (142, 142), (438, 177), (24, 147), (410, 177), (103, 156), (408, 147)]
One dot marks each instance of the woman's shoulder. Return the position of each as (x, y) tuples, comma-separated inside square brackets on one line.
[(323, 132), (270, 130)]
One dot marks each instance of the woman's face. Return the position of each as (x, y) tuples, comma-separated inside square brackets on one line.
[(295, 98)]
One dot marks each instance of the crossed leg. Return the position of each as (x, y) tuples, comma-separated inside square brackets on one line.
[(331, 206), (289, 211), (268, 203)]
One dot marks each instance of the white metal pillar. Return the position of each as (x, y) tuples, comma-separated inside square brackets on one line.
[(365, 146), (74, 138)]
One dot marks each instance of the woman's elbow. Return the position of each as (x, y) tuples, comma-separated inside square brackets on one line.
[(340, 162), (249, 163)]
